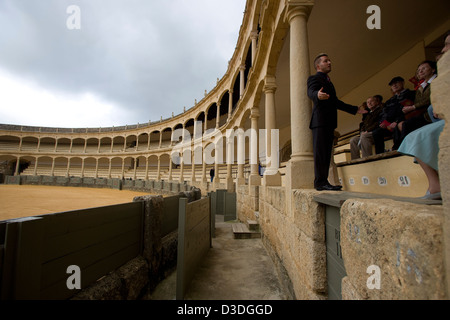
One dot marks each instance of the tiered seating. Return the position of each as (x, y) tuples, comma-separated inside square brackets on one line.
[(9, 146), (342, 148), (389, 173)]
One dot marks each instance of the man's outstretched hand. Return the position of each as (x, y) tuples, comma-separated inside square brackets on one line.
[(322, 95)]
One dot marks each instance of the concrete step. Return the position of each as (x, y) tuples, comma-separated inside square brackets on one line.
[(241, 231), (253, 225)]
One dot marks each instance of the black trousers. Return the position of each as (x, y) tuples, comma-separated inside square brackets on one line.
[(323, 138), (378, 135)]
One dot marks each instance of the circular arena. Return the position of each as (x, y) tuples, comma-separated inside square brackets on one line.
[(252, 131)]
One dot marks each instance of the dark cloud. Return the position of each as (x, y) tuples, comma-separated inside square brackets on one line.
[(151, 58)]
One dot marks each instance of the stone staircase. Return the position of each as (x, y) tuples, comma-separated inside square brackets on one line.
[(248, 230)]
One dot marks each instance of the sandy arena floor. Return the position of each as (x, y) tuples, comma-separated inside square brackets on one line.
[(26, 201)]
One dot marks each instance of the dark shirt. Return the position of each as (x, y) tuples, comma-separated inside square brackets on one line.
[(325, 111), (371, 120), (392, 111)]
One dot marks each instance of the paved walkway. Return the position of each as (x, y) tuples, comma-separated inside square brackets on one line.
[(233, 269)]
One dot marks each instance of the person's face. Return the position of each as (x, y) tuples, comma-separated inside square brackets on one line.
[(424, 72), (371, 103), (446, 45), (324, 64), (397, 87)]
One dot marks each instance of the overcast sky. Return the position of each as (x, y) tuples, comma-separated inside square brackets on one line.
[(111, 62)]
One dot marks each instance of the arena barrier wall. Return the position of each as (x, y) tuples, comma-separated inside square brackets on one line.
[(194, 240), (40, 251), (121, 251)]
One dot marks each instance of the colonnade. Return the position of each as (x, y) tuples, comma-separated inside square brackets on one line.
[(301, 164)]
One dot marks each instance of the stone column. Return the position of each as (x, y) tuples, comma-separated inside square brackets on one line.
[(158, 173), (254, 37), (204, 179), (230, 160), (53, 167), (193, 165), (16, 171), (255, 179), (56, 144), (112, 144), (230, 104), (123, 168), (216, 180), (170, 168), (82, 168), (35, 166), (241, 157), (160, 139), (301, 166), (218, 116), (99, 144), (440, 97), (71, 145), (68, 168), (109, 168), (194, 133), (96, 168), (272, 177), (181, 179), (146, 168), (242, 80)]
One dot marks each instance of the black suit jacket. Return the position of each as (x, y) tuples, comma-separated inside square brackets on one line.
[(325, 111)]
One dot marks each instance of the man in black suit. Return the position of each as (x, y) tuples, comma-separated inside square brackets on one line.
[(324, 120)]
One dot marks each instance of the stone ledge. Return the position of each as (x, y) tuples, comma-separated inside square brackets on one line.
[(336, 199)]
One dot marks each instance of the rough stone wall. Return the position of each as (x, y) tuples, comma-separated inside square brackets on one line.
[(440, 97), (247, 202), (126, 283), (405, 241), (296, 237)]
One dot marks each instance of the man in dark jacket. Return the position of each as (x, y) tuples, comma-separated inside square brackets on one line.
[(324, 119), (392, 113), (370, 122)]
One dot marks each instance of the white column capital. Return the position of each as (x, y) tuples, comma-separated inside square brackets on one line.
[(298, 8), (254, 114), (270, 84)]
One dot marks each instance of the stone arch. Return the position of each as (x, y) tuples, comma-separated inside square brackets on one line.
[(211, 115), (154, 139), (116, 167)]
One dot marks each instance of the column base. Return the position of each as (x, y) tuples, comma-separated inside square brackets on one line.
[(254, 180), (272, 180), (300, 174), (230, 185), (240, 181)]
